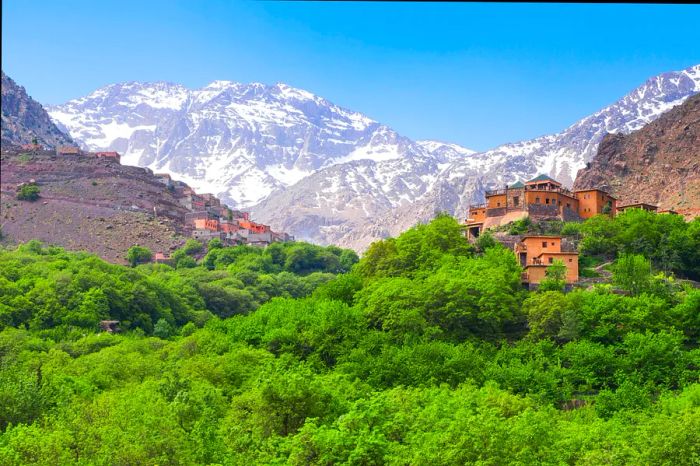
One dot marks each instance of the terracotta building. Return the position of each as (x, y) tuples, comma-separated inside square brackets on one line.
[(252, 226), (594, 201), (536, 253), (206, 224), (68, 150), (108, 155), (541, 198)]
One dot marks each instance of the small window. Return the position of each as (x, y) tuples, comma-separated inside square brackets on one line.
[(544, 244), (551, 260), (498, 204), (568, 204), (537, 200), (552, 243), (554, 201), (546, 201), (571, 260)]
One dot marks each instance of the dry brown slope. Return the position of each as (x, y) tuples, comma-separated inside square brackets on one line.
[(88, 204), (658, 164)]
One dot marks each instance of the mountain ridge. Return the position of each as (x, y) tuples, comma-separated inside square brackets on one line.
[(24, 119)]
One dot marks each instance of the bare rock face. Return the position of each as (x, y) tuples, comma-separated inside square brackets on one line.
[(24, 119), (658, 164)]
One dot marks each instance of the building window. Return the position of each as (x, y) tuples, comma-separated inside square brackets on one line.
[(568, 205), (544, 244), (546, 201), (537, 200), (551, 260), (554, 201), (498, 204), (571, 260), (552, 243)]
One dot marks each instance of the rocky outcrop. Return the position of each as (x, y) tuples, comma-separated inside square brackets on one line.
[(24, 119), (658, 164)]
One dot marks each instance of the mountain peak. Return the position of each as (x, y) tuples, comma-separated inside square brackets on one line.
[(24, 119)]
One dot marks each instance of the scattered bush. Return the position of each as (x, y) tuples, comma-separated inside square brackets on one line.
[(28, 192)]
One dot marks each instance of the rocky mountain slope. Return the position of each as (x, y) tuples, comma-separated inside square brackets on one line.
[(658, 164), (324, 173), (88, 204), (24, 119)]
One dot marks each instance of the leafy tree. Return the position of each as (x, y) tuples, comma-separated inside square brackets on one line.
[(192, 247), (138, 255), (485, 241), (214, 243), (555, 277), (545, 313), (632, 272), (163, 329)]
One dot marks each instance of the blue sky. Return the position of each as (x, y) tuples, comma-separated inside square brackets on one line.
[(475, 74)]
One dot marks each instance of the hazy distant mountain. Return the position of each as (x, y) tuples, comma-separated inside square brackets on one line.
[(325, 173), (24, 119)]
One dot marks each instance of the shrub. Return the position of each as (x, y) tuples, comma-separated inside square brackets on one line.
[(138, 255), (28, 192), (192, 246)]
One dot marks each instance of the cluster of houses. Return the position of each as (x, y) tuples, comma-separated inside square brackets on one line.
[(208, 218), (543, 198)]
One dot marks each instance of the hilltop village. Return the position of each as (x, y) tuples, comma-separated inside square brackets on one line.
[(201, 216), (207, 217), (542, 199)]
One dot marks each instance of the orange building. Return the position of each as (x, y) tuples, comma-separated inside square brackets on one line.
[(536, 253), (252, 226), (108, 155), (542, 198), (206, 224), (595, 201), (229, 227), (68, 150)]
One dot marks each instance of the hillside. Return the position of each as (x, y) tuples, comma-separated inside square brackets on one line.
[(657, 164), (24, 119), (88, 204)]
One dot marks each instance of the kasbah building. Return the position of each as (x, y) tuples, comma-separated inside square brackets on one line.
[(542, 198)]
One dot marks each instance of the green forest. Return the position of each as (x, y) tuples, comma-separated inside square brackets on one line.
[(425, 351)]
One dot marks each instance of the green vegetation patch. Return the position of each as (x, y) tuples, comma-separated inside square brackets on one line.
[(426, 351)]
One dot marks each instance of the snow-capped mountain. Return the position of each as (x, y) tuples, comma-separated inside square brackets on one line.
[(563, 154), (324, 173), (463, 181), (239, 141)]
